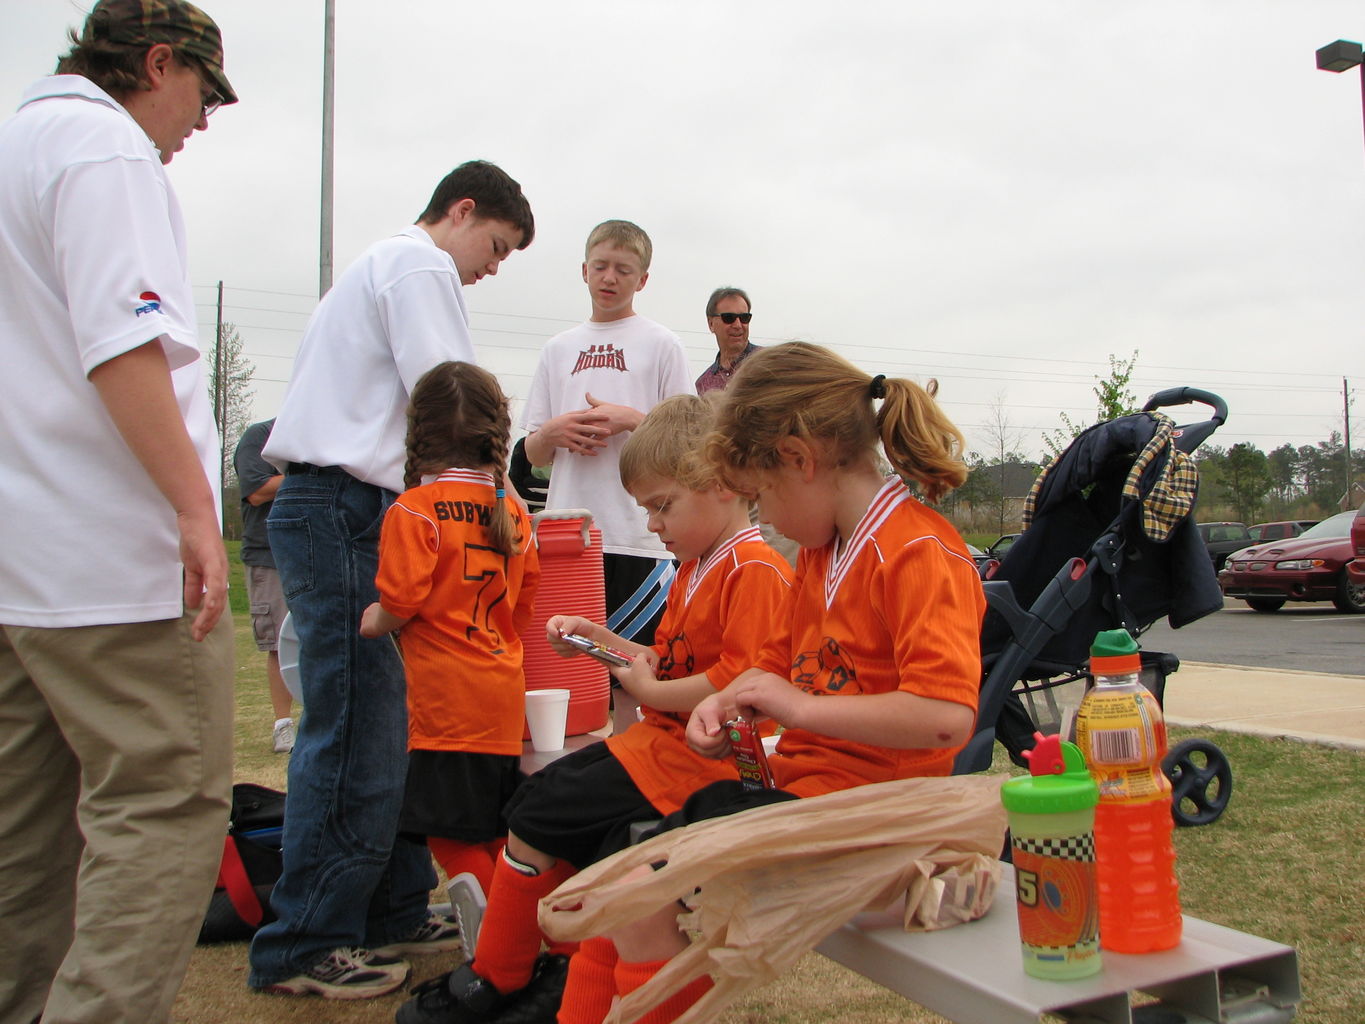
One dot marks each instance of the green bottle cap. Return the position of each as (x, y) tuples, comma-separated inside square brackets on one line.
[(1114, 652), (1058, 781)]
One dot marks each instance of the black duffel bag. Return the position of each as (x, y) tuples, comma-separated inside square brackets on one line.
[(250, 867)]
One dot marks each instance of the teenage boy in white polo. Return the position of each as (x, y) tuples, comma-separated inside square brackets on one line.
[(115, 657), (353, 898)]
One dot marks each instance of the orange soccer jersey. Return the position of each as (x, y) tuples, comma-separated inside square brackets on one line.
[(899, 608), (468, 603), (718, 616)]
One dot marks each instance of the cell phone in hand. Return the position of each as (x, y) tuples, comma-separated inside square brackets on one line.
[(603, 653)]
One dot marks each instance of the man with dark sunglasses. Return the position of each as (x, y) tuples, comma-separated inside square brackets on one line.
[(728, 313), (727, 317)]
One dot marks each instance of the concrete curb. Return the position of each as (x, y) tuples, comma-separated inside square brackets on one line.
[(1269, 732)]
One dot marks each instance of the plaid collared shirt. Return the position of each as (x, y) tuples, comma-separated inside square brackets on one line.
[(715, 376)]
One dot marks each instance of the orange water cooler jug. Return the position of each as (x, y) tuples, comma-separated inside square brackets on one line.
[(571, 583)]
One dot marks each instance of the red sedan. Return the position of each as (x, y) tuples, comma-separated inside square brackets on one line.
[(1355, 571), (1311, 567)]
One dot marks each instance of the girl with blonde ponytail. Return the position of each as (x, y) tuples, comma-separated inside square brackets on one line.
[(457, 580), (874, 666)]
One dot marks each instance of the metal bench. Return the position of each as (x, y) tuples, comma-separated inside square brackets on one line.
[(973, 973)]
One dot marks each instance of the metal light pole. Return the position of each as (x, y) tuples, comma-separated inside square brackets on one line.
[(325, 229), (1342, 56), (1338, 57)]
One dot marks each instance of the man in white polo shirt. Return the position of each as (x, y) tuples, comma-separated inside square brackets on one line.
[(352, 901), (115, 657)]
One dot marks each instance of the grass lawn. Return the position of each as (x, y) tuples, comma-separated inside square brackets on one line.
[(1285, 862)]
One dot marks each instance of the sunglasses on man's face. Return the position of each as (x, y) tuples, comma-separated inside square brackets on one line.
[(729, 318)]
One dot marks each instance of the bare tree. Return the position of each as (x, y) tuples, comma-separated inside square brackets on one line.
[(1004, 442), (230, 389)]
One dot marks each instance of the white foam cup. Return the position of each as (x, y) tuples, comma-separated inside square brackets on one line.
[(547, 711), (288, 643)]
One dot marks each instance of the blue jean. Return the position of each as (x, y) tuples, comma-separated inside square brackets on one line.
[(348, 879)]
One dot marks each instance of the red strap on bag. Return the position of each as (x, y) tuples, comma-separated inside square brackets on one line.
[(232, 877)]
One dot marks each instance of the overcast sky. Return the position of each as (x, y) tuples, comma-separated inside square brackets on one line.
[(994, 193)]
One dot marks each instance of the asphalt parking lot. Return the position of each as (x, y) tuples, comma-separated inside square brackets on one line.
[(1306, 637)]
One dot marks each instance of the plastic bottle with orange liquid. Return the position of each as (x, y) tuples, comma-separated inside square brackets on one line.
[(1121, 731)]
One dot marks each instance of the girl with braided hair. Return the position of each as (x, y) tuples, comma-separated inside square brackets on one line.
[(457, 580)]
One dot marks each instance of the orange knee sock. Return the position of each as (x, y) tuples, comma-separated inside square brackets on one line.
[(630, 975), (456, 857), (509, 938), (592, 983), (562, 948)]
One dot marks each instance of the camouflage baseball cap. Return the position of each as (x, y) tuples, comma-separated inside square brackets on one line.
[(178, 24)]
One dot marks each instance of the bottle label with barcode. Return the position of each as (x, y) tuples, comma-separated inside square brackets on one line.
[(1123, 737), (1116, 746)]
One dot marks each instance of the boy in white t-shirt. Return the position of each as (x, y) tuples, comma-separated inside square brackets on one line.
[(593, 385)]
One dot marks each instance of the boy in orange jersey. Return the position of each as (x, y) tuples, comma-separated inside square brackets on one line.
[(725, 598)]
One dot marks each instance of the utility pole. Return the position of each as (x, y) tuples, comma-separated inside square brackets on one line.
[(219, 390), (218, 362), (1346, 433), (325, 232)]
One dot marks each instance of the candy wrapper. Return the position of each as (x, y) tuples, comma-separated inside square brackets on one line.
[(765, 886), (944, 893)]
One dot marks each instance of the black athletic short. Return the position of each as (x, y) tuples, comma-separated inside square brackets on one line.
[(718, 800), (458, 795), (580, 807)]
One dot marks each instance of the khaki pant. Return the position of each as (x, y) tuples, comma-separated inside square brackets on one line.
[(115, 780)]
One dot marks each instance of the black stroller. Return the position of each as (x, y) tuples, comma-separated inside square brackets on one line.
[(1114, 512)]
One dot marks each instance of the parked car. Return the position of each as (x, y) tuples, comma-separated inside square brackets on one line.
[(978, 556), (1222, 539), (1310, 567), (1003, 544), (1263, 532), (1355, 571)]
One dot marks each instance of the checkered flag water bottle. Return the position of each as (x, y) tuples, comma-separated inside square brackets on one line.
[(1052, 816), (1121, 732)]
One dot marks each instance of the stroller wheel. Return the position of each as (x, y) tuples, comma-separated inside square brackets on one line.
[(1201, 782)]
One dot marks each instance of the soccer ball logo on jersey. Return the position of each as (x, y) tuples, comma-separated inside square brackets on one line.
[(600, 357), (823, 670), (678, 660)]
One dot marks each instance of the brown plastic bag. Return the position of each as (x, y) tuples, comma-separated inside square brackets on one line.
[(765, 886)]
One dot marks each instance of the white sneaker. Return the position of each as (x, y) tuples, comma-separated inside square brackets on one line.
[(437, 934), (347, 973), (467, 904), (284, 736)]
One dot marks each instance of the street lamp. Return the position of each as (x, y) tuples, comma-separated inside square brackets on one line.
[(1342, 56)]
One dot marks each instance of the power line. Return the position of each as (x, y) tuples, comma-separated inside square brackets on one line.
[(1086, 369)]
